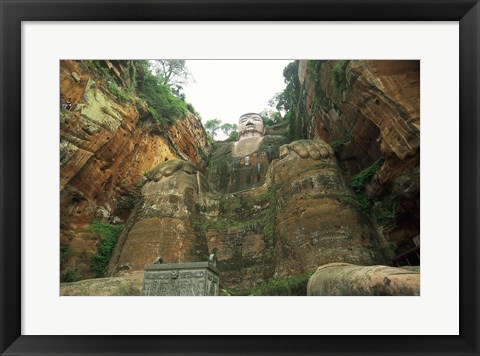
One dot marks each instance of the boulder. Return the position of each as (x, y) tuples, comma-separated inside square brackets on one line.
[(335, 279)]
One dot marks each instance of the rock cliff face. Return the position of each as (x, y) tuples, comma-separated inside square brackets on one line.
[(345, 279), (106, 145), (302, 216), (318, 220), (231, 173), (370, 111), (346, 192)]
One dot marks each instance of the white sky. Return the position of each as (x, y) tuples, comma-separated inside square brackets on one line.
[(227, 89)]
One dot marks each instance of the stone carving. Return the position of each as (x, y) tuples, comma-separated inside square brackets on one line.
[(250, 125), (269, 208), (181, 279), (250, 135), (318, 220), (347, 279), (162, 223), (307, 149)]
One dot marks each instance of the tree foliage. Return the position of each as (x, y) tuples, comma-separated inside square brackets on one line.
[(271, 117), (212, 126), (173, 73), (163, 106), (339, 79), (288, 96), (109, 235), (228, 128)]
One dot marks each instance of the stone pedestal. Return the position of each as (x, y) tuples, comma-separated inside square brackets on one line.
[(181, 279)]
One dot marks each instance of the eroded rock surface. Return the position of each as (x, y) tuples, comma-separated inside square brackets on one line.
[(302, 215), (106, 145), (162, 222), (127, 285), (337, 279), (317, 219), (266, 207), (370, 110)]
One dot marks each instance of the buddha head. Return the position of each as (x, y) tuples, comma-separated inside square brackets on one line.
[(250, 125)]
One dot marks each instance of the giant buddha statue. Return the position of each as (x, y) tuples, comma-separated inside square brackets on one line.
[(266, 207), (250, 134)]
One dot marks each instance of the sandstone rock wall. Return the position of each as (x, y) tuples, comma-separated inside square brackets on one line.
[(317, 217), (304, 215), (106, 146), (370, 110), (228, 173), (343, 279)]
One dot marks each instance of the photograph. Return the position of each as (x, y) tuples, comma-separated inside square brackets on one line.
[(239, 178), (189, 177)]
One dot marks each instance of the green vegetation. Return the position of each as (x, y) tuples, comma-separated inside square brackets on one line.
[(339, 78), (71, 275), (158, 83), (358, 181), (128, 201), (163, 105), (212, 126), (336, 146), (359, 202), (270, 222), (65, 253), (271, 117), (119, 93), (230, 130), (384, 210), (313, 73), (173, 73), (109, 234), (222, 157), (290, 286), (98, 67)]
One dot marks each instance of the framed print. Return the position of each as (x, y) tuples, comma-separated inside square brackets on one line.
[(264, 207)]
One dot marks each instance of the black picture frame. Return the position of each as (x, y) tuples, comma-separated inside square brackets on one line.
[(13, 12)]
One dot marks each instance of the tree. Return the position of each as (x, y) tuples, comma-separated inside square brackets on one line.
[(227, 128), (212, 126), (174, 73), (285, 99), (163, 105), (230, 130), (271, 117)]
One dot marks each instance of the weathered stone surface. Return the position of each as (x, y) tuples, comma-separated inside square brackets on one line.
[(126, 285), (337, 279), (302, 216), (268, 209), (317, 220), (250, 125), (375, 115), (246, 147), (228, 173), (181, 279), (105, 150), (162, 222)]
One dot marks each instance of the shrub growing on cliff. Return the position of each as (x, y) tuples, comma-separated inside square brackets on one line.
[(339, 79), (109, 234), (119, 93), (292, 286), (358, 181), (65, 253), (163, 105), (71, 275)]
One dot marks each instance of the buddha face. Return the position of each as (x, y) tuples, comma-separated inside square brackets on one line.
[(250, 125)]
